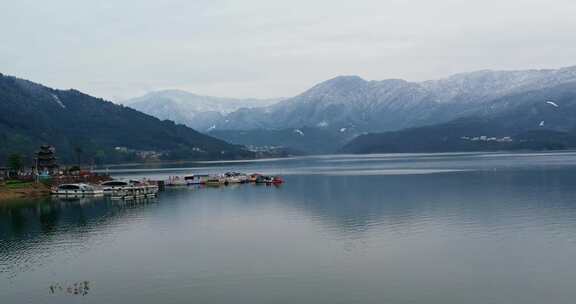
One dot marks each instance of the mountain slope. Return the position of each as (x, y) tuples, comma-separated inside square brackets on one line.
[(356, 105), (195, 111), (352, 102), (304, 140), (538, 119), (360, 106), (33, 114), (375, 106)]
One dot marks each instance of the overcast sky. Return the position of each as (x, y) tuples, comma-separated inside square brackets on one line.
[(264, 48)]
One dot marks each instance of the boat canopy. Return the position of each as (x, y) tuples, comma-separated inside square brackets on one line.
[(69, 187), (115, 183)]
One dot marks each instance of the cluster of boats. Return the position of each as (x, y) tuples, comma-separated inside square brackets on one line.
[(223, 179), (132, 190), (115, 189)]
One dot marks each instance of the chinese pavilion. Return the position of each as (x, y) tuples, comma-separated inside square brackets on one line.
[(46, 159)]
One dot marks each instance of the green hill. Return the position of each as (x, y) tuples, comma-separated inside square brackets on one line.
[(94, 130)]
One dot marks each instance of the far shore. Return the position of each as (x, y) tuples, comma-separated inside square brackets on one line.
[(102, 168)]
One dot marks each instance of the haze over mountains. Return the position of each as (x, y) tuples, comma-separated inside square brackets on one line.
[(196, 111), (344, 107)]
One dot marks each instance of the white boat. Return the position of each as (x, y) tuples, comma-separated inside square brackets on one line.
[(111, 186), (236, 178), (135, 192), (77, 189), (216, 180), (176, 181), (195, 179)]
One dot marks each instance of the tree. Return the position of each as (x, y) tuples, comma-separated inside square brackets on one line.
[(15, 162)]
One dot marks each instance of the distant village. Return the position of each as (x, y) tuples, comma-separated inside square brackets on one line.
[(487, 138), (143, 154)]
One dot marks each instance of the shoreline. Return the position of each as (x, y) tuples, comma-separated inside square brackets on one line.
[(30, 191), (101, 168)]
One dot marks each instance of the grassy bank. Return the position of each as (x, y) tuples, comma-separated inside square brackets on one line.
[(11, 190)]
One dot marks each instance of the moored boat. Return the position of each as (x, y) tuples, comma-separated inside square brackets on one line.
[(176, 181), (215, 181), (77, 189), (270, 180), (277, 180), (135, 192), (195, 179), (110, 186), (253, 177), (236, 177), (228, 178)]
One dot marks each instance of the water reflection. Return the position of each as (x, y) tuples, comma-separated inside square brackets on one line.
[(342, 204), (67, 223), (508, 225), (480, 198), (376, 164)]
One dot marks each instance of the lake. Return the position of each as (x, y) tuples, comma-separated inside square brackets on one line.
[(390, 228)]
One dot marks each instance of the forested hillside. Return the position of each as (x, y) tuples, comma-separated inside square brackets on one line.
[(91, 130)]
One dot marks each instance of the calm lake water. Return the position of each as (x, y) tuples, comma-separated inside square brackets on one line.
[(421, 228)]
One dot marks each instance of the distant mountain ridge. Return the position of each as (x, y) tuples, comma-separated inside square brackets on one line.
[(394, 104), (358, 106), (196, 111), (541, 119), (350, 101), (76, 123), (337, 110)]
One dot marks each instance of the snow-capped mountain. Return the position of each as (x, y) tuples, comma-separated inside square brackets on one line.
[(196, 111), (347, 106), (350, 101), (541, 119), (481, 86)]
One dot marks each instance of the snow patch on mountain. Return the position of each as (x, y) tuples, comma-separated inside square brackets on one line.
[(395, 104), (196, 111), (369, 106), (58, 101)]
